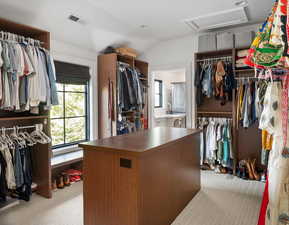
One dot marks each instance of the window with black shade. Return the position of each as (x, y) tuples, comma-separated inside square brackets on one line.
[(158, 94), (70, 119)]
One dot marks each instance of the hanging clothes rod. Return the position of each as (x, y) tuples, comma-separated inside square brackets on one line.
[(217, 118), (23, 127), (246, 78), (7, 36), (123, 64), (215, 59)]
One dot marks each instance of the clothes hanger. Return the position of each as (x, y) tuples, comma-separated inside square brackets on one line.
[(7, 139), (29, 140), (40, 130), (15, 138), (20, 140), (2, 142), (37, 137)]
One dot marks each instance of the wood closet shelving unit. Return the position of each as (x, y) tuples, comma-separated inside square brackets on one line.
[(107, 71), (246, 141), (41, 153)]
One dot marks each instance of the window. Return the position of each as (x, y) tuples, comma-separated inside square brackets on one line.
[(158, 94), (70, 119)]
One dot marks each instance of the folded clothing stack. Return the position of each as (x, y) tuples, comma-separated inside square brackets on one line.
[(240, 60)]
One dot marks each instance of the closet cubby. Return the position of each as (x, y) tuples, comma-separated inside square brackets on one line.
[(107, 72), (41, 155), (249, 140), (246, 142)]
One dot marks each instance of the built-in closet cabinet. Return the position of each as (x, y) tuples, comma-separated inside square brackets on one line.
[(41, 152), (107, 91), (246, 142)]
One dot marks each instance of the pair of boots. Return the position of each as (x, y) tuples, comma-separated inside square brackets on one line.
[(61, 182), (251, 167), (247, 169)]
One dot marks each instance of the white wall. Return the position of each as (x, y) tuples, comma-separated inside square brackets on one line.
[(72, 54), (179, 53)]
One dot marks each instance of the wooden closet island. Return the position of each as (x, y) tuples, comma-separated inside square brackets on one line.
[(142, 178)]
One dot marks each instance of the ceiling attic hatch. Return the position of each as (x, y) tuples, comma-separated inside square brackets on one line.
[(218, 20)]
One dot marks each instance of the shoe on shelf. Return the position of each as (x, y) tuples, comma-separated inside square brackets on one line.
[(74, 179), (66, 180), (223, 170), (205, 167), (249, 169), (77, 178), (73, 172), (60, 182), (218, 169), (243, 171), (54, 185), (253, 167), (238, 172)]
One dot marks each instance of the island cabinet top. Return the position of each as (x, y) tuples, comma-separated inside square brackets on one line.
[(142, 141)]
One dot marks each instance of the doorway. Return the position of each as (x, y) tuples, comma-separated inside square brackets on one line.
[(169, 98)]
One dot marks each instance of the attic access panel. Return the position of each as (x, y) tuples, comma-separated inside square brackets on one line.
[(218, 20)]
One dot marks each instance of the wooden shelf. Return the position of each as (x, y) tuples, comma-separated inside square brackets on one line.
[(23, 118)]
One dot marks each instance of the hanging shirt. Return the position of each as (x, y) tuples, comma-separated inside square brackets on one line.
[(226, 147), (3, 183), (10, 177), (6, 103), (207, 88), (267, 140), (220, 143), (211, 141), (247, 106), (52, 77), (35, 86)]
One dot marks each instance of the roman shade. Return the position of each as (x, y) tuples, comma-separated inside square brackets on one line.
[(69, 73)]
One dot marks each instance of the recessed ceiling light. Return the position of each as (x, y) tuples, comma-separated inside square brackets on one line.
[(242, 3)]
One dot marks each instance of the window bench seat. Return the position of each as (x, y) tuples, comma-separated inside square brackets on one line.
[(66, 159)]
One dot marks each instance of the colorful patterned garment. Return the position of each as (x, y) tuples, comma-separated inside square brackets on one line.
[(262, 37), (269, 51), (284, 30), (270, 47)]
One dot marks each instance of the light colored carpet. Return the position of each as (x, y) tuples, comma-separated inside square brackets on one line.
[(223, 201)]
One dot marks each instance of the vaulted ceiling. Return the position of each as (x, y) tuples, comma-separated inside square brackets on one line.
[(136, 23)]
